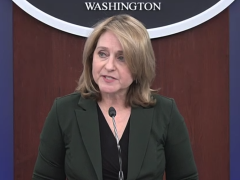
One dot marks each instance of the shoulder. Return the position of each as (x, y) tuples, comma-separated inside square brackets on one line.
[(163, 99), (75, 96), (68, 100), (163, 102), (166, 108), (67, 103), (64, 108)]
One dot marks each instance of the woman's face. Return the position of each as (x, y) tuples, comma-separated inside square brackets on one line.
[(109, 68)]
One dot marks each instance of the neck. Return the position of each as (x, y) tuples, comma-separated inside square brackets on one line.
[(117, 101)]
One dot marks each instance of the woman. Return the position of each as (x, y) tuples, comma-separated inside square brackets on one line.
[(79, 140)]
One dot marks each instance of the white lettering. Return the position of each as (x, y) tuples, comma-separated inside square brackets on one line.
[(121, 6), (141, 3), (110, 6), (125, 6), (134, 5), (145, 6), (118, 6), (157, 6), (97, 7), (89, 5), (104, 6)]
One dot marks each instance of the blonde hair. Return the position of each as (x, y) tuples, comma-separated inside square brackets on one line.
[(139, 55)]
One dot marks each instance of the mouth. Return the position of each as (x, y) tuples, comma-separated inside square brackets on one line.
[(108, 77)]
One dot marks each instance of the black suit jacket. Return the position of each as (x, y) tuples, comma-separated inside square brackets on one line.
[(70, 143)]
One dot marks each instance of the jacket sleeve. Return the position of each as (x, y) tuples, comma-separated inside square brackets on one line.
[(50, 160), (180, 164)]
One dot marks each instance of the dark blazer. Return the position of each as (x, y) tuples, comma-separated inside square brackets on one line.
[(70, 143)]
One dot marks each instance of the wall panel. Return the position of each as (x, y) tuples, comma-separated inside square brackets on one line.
[(193, 68), (47, 64)]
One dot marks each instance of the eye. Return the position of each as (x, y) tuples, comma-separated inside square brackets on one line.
[(102, 54), (121, 58)]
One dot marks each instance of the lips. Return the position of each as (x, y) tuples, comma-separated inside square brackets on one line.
[(108, 77)]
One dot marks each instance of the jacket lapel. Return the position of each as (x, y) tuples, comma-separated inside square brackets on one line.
[(140, 128), (88, 124)]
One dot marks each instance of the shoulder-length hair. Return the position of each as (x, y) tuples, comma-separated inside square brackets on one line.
[(137, 51)]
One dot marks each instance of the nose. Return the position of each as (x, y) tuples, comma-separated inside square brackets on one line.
[(110, 64)]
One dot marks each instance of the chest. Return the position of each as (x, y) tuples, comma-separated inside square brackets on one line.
[(121, 120), (83, 159)]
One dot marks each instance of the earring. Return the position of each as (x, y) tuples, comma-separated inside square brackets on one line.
[(136, 81)]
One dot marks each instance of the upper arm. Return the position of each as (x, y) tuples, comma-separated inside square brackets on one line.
[(180, 164), (50, 160)]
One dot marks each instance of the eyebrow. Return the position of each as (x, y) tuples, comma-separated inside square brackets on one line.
[(101, 47), (105, 48)]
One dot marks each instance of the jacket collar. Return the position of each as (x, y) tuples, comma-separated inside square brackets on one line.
[(140, 127)]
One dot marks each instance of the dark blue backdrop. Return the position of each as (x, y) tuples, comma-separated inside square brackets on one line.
[(6, 91), (234, 15)]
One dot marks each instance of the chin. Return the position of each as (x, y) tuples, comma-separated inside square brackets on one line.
[(110, 91), (104, 89)]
